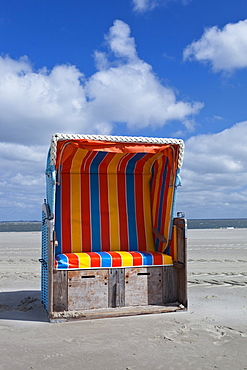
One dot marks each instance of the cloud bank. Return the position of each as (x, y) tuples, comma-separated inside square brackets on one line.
[(34, 104), (224, 49), (142, 6), (214, 174)]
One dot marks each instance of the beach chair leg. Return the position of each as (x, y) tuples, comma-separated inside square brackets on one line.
[(60, 291), (175, 277)]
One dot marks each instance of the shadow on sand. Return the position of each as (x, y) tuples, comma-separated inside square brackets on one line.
[(23, 305)]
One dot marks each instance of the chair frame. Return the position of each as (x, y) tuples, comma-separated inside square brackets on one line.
[(98, 293)]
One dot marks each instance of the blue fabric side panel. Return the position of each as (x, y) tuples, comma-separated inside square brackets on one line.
[(177, 184), (95, 201)]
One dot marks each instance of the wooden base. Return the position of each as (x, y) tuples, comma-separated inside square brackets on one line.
[(118, 291)]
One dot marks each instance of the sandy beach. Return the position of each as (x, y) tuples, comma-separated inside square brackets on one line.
[(212, 334)]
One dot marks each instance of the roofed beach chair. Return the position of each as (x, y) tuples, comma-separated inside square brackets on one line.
[(110, 243)]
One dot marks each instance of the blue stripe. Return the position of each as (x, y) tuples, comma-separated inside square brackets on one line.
[(106, 259), (147, 258), (130, 196), (95, 201), (152, 175), (62, 261)]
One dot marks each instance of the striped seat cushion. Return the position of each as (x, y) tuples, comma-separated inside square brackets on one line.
[(110, 259)]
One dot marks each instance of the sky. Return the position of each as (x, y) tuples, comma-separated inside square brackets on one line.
[(160, 68)]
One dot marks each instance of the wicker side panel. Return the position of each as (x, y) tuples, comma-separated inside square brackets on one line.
[(50, 200), (44, 261)]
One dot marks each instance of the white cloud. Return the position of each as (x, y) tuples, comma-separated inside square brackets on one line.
[(120, 41), (36, 104), (22, 182), (147, 5), (215, 174), (144, 5), (225, 49)]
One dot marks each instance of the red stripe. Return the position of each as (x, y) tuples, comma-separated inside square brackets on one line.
[(85, 202), (116, 259), (159, 180), (104, 203), (137, 258), (154, 179), (122, 203), (164, 205), (157, 259), (65, 206), (95, 259), (73, 261), (155, 167)]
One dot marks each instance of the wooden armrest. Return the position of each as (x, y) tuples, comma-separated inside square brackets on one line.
[(159, 236)]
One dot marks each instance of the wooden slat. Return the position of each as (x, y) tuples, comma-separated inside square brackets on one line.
[(170, 282), (181, 265), (60, 291), (114, 312), (116, 288), (159, 235)]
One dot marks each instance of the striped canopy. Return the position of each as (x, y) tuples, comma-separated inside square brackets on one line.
[(111, 195)]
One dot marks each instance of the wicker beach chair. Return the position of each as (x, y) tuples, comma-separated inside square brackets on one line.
[(111, 245)]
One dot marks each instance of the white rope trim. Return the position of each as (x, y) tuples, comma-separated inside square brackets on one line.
[(120, 139)]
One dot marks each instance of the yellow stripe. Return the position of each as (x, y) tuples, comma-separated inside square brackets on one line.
[(169, 207), (127, 259), (75, 199), (113, 203), (84, 260), (155, 200), (167, 260), (147, 203)]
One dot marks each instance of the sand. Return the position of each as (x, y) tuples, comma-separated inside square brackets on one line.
[(212, 334)]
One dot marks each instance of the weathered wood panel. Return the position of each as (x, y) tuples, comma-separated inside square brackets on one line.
[(87, 289), (116, 292), (60, 291), (175, 278), (182, 258), (170, 293), (143, 286)]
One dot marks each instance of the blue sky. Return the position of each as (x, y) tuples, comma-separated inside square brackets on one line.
[(162, 68)]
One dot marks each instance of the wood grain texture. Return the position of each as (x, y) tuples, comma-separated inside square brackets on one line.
[(60, 291), (116, 289), (113, 312), (87, 289), (143, 286)]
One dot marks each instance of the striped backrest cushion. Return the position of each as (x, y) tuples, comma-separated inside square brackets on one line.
[(111, 200)]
